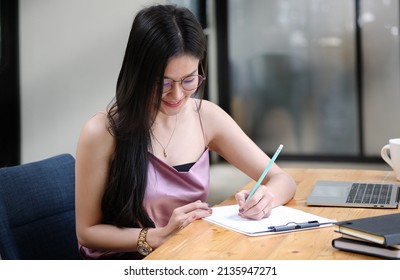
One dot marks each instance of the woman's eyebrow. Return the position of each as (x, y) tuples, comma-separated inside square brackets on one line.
[(183, 76)]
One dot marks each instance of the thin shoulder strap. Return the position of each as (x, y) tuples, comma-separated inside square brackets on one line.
[(198, 105)]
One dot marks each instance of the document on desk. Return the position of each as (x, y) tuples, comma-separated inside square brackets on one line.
[(282, 219)]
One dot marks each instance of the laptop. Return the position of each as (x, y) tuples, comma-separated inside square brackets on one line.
[(354, 194)]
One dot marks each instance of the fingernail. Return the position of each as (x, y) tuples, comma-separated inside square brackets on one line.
[(241, 210)]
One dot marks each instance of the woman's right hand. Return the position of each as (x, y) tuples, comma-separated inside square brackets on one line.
[(184, 215), (180, 218)]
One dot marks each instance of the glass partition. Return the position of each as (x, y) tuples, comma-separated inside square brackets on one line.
[(292, 72)]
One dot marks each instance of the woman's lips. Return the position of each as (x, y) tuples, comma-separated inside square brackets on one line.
[(172, 104)]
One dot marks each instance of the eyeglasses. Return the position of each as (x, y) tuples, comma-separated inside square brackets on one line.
[(188, 83)]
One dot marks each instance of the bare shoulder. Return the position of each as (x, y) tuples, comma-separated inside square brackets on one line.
[(209, 106), (96, 126), (216, 121), (211, 111), (214, 113), (95, 133)]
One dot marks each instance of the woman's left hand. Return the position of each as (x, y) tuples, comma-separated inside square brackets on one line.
[(258, 206)]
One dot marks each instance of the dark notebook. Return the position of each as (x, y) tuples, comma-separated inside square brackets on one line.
[(364, 247), (383, 229)]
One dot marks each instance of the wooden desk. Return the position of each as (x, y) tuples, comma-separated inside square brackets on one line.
[(204, 240)]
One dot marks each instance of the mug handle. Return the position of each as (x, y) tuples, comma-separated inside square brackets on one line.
[(385, 154)]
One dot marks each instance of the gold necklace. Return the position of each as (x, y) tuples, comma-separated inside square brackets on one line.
[(172, 134)]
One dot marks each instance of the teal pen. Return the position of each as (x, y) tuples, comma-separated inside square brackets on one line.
[(257, 185)]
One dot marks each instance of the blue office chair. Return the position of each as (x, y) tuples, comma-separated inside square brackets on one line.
[(37, 210)]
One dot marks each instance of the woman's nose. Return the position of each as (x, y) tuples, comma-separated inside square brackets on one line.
[(176, 91)]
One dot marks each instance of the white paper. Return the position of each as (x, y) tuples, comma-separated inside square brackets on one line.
[(228, 217)]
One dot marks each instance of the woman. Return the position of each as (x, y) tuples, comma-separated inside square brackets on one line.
[(142, 166)]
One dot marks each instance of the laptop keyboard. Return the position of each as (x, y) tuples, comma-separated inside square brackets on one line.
[(366, 193)]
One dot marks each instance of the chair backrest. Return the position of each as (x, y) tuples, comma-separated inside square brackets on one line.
[(37, 210)]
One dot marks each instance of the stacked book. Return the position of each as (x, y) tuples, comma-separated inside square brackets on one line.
[(377, 236)]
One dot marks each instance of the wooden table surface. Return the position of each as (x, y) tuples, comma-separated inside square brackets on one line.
[(203, 240)]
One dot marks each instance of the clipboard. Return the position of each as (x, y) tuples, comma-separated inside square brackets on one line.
[(282, 219)]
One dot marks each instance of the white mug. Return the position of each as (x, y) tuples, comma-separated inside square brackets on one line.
[(391, 154)]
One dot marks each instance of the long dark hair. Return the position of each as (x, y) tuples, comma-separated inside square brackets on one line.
[(158, 34)]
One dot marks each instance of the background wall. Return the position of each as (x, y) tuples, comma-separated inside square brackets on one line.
[(70, 56)]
